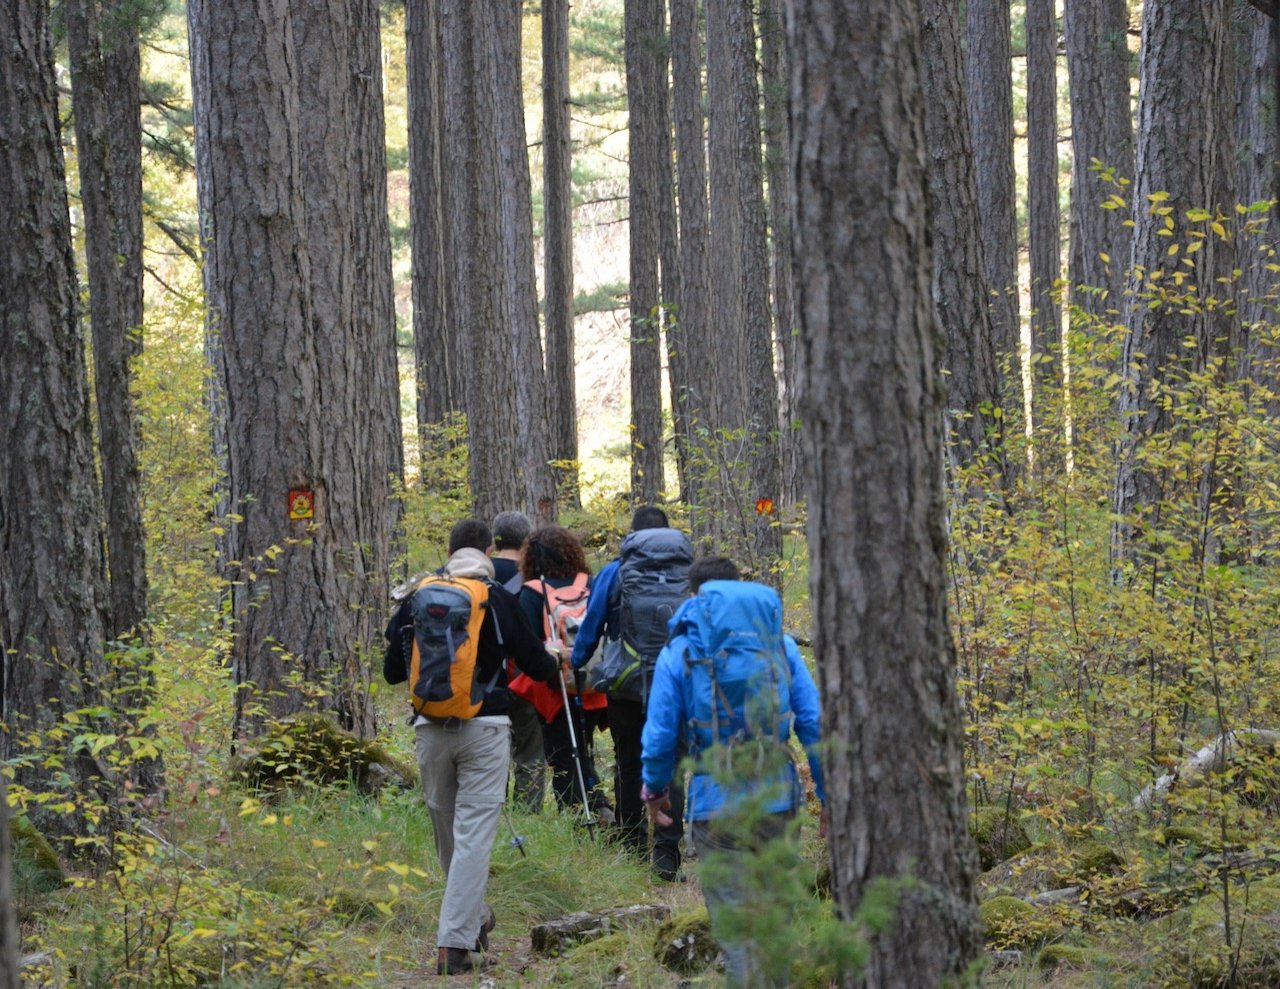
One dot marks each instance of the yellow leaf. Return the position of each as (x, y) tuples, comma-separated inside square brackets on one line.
[(1106, 258), (319, 843), (1219, 229), (1158, 197)]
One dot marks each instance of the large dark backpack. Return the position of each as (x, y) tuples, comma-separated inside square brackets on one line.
[(443, 677), (652, 583)]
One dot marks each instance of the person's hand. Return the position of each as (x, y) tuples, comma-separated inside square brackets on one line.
[(566, 673), (656, 803)]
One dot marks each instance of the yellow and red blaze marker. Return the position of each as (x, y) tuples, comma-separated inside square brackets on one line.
[(302, 504)]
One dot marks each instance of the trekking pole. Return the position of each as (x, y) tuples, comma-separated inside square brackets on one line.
[(516, 840), (540, 553)]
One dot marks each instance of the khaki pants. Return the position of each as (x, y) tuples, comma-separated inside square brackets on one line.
[(464, 778)]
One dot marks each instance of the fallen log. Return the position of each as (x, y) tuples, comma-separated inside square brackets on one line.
[(555, 936), (1212, 758)]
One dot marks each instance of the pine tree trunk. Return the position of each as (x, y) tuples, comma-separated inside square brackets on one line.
[(1101, 130), (777, 135), (557, 246), (990, 78), (872, 403), (672, 281), (477, 298), (729, 389), (764, 466), (1186, 136), (435, 344), (9, 942), (694, 315), (515, 234), (1042, 184), (103, 43), (960, 286), (1257, 163), (300, 299), (646, 86), (51, 579)]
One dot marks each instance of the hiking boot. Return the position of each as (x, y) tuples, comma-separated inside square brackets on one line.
[(482, 942), (456, 961), (666, 864)]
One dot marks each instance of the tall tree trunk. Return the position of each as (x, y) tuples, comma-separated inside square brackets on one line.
[(103, 43), (476, 297), (9, 943), (1257, 163), (646, 86), (1186, 132), (557, 246), (515, 234), (1101, 131), (960, 287), (872, 404), (51, 579), (773, 65), (437, 358), (694, 314), (1042, 184), (764, 463), (990, 77), (729, 388), (672, 281), (295, 308)]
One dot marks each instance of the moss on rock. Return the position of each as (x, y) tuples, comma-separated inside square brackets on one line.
[(684, 943), (1207, 958), (997, 834), (310, 748), (1093, 858), (35, 864), (1013, 923)]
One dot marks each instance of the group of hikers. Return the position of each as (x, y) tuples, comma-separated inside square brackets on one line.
[(516, 656)]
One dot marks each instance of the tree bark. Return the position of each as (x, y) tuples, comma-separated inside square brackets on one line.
[(672, 281), (515, 235), (557, 246), (960, 286), (301, 302), (9, 943), (646, 86), (1101, 131), (777, 134), (477, 299), (51, 578), (764, 463), (102, 40), (1256, 171), (990, 78), (873, 404), (1186, 132), (729, 388), (1042, 185), (437, 360), (694, 315)]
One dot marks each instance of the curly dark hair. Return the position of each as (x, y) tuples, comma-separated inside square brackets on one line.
[(552, 551)]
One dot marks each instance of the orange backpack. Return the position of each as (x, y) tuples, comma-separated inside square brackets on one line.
[(447, 615)]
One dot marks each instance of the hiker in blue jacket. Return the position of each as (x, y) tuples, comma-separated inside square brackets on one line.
[(731, 683)]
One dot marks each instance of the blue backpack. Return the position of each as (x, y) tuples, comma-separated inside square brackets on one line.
[(738, 683)]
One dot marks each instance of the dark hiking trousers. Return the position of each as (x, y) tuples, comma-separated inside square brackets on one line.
[(626, 722)]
